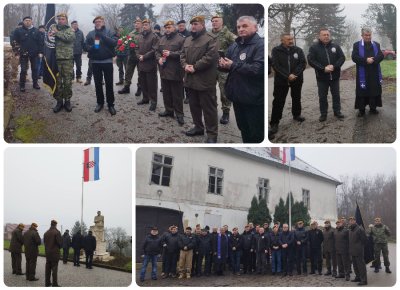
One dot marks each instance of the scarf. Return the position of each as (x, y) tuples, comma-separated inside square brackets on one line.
[(361, 68), (219, 246)]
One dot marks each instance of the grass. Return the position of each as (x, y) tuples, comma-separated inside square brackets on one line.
[(388, 68), (41, 249), (27, 129)]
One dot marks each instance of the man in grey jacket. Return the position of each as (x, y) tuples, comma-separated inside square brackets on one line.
[(78, 48)]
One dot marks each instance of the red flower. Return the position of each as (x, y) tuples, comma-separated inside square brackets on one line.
[(128, 37), (119, 41), (121, 48), (132, 45)]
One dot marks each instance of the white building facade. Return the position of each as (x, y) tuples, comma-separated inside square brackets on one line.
[(215, 186)]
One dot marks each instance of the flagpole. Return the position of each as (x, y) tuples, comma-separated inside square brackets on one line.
[(290, 193), (83, 168)]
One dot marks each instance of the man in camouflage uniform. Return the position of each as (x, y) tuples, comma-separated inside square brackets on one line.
[(380, 233), (171, 72), (64, 40), (225, 38), (132, 61)]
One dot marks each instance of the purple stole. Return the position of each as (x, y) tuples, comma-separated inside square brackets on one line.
[(361, 68)]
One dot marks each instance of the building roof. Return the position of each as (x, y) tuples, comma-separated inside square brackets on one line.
[(264, 154)]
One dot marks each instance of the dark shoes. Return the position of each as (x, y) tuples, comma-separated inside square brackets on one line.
[(87, 83), (339, 276), (361, 113), (362, 283), (33, 279), (120, 83), (142, 102), (99, 107), (125, 90), (374, 111), (376, 270), (322, 118), (347, 277), (19, 274), (356, 280), (224, 119), (68, 108), (112, 111), (36, 86), (328, 273), (194, 132), (387, 270), (299, 118), (166, 114), (58, 106), (153, 107), (138, 92), (211, 140), (180, 120), (339, 115), (22, 89), (273, 129), (186, 101)]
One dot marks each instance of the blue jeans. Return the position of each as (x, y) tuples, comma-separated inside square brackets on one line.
[(276, 261), (235, 260), (147, 259)]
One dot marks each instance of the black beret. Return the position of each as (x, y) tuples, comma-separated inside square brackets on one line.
[(26, 17), (181, 21)]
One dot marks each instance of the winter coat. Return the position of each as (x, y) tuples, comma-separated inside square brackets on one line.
[(261, 243), (66, 241), (29, 40), (205, 244), (52, 243), (315, 238), (152, 245), (247, 240), (225, 38), (31, 243), (200, 51), (172, 243), (235, 242), (147, 43), (16, 241), (186, 241), (79, 42), (321, 55), (287, 238), (341, 236), (77, 241), (357, 240), (171, 69), (300, 235), (329, 240), (245, 83), (286, 61), (89, 244), (107, 43), (379, 234), (275, 240)]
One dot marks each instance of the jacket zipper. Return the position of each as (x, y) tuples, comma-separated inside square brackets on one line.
[(329, 60)]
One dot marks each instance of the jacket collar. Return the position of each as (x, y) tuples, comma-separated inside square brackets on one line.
[(251, 40)]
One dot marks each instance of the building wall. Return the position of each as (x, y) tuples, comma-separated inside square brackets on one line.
[(189, 185)]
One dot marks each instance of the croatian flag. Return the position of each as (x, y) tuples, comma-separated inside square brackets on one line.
[(91, 164), (288, 154)]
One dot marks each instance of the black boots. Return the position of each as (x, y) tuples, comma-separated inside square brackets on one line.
[(58, 106), (125, 90), (138, 91), (67, 106), (225, 118)]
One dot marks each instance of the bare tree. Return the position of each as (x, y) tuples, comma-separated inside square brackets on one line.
[(64, 8), (186, 11), (352, 33), (111, 12), (117, 237)]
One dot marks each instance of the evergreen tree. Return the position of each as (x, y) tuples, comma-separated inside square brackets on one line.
[(231, 12), (129, 12), (77, 227), (264, 211), (252, 216), (325, 16), (281, 212), (300, 212)]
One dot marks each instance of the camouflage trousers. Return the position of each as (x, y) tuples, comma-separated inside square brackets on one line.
[(130, 70), (226, 104), (64, 80), (378, 248)]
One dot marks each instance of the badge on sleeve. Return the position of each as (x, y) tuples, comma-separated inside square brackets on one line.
[(333, 49), (242, 56), (295, 55)]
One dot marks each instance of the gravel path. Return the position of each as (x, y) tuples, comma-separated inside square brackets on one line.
[(379, 128), (68, 275), (131, 124)]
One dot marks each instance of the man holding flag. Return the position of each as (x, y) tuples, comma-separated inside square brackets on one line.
[(357, 241)]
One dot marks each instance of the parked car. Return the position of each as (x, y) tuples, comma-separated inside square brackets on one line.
[(389, 54)]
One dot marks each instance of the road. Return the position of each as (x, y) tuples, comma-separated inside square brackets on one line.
[(380, 279), (132, 123), (379, 128), (68, 275)]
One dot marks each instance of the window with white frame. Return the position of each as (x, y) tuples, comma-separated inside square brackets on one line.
[(263, 189), (215, 180), (306, 198), (161, 169)]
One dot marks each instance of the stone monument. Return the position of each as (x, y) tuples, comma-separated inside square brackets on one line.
[(98, 232)]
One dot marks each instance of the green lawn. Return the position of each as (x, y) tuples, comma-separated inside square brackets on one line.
[(41, 249), (388, 68)]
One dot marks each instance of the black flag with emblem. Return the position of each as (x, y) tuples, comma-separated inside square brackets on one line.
[(50, 69), (369, 246)]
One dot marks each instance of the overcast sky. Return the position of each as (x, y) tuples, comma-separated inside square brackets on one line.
[(42, 184), (350, 160)]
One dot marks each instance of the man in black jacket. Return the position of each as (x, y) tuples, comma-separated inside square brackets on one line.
[(89, 244), (245, 84), (30, 43), (247, 239), (186, 244), (301, 240), (261, 246), (315, 238), (205, 252), (79, 44), (77, 245), (327, 58), (66, 244), (235, 246), (151, 251), (100, 44), (289, 63), (287, 250), (171, 252)]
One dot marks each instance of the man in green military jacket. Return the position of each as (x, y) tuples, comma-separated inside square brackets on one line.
[(380, 233)]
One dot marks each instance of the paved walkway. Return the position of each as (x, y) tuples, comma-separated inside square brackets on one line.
[(68, 275), (380, 279), (379, 128), (131, 124)]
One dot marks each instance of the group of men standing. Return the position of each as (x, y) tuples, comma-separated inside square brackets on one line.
[(204, 252), (53, 242), (190, 62), (327, 58)]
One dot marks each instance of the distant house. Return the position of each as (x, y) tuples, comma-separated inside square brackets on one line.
[(215, 186), (9, 228)]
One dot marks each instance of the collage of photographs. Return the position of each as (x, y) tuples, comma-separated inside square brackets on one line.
[(151, 144)]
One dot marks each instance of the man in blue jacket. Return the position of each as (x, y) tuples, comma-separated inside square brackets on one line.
[(151, 251), (100, 44), (287, 250), (245, 84)]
